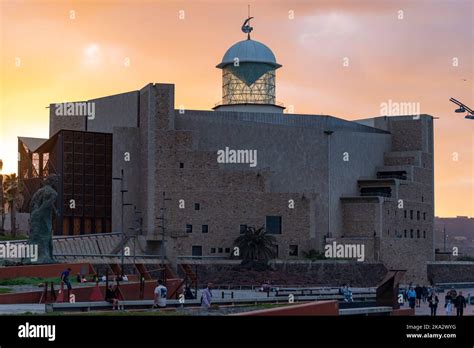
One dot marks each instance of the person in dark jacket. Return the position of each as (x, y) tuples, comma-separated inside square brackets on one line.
[(424, 293), (460, 304), (111, 296), (419, 291), (433, 301)]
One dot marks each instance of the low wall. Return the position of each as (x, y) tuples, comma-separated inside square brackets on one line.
[(403, 312), (297, 273), (44, 271), (306, 309), (130, 291), (451, 271)]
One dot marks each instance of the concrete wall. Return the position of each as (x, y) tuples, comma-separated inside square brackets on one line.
[(22, 223), (120, 110), (294, 273), (224, 212), (56, 123), (451, 272), (296, 156), (353, 155), (126, 145)]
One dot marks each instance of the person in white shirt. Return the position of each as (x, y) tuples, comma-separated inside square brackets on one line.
[(160, 295)]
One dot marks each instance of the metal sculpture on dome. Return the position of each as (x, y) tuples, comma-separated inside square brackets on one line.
[(248, 76), (246, 28)]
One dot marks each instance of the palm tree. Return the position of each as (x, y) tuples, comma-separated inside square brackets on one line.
[(255, 244), (12, 191)]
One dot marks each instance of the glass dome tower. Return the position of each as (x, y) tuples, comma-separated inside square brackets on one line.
[(248, 76)]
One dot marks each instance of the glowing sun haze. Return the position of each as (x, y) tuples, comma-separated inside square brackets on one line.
[(56, 51)]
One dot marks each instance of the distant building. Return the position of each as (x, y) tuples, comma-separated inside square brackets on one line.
[(455, 232), (317, 179)]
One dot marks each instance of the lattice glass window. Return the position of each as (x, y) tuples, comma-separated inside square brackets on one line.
[(248, 83)]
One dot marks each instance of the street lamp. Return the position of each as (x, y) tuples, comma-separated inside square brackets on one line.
[(162, 218), (462, 109), (136, 230), (122, 242)]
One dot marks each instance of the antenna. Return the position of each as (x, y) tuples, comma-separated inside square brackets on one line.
[(246, 28)]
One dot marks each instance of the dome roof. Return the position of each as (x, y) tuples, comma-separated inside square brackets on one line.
[(249, 51)]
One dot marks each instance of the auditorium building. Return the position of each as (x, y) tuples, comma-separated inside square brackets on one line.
[(310, 180)]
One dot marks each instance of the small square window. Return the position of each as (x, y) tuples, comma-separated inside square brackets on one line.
[(273, 224), (243, 228), (197, 206), (219, 250), (205, 228), (293, 250), (227, 250), (189, 228), (213, 250), (181, 164)]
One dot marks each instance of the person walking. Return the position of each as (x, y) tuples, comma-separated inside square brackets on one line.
[(161, 292), (419, 291), (411, 294), (460, 304), (424, 294), (65, 278), (433, 303), (448, 304), (206, 297)]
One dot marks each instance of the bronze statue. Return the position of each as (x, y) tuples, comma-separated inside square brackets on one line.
[(42, 207)]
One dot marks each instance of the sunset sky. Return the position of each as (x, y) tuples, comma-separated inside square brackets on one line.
[(56, 51)]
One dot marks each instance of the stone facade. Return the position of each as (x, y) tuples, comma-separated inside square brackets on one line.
[(363, 182)]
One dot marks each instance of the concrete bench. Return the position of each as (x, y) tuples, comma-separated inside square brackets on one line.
[(87, 306), (366, 311)]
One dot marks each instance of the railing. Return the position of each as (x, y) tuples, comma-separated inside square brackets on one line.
[(375, 194), (109, 255), (392, 175), (183, 257), (276, 103)]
